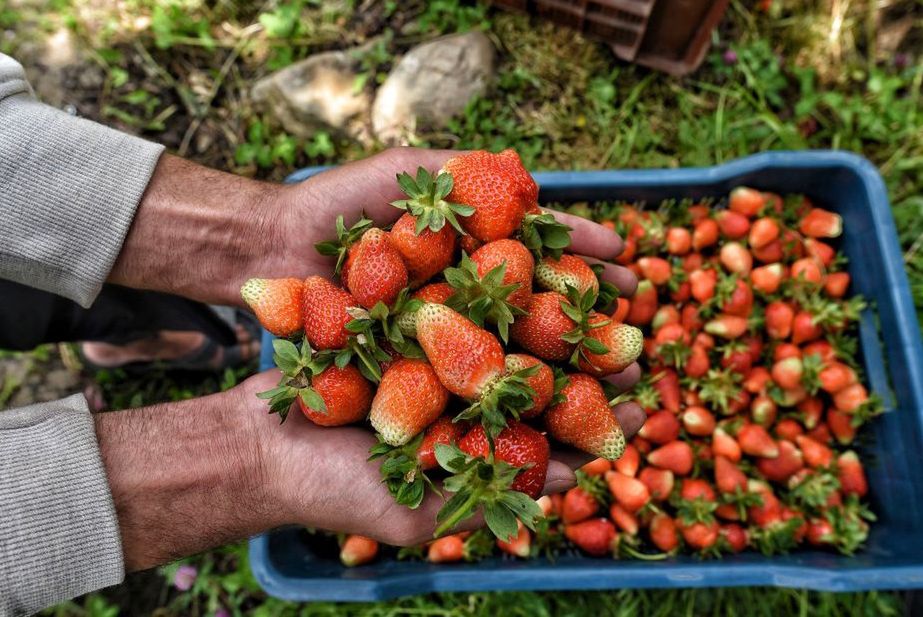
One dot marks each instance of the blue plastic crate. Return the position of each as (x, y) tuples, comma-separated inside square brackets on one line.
[(287, 566)]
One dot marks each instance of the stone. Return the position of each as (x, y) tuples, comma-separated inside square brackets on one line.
[(318, 93), (432, 83)]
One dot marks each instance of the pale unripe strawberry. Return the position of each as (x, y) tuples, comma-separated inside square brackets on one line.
[(624, 343), (557, 274), (409, 398), (276, 303)]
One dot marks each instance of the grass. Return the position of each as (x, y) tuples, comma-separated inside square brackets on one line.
[(804, 74)]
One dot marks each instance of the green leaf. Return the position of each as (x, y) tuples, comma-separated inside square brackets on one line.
[(312, 399), (525, 508), (449, 457), (500, 520), (595, 346)]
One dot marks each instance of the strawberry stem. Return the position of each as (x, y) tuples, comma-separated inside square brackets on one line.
[(463, 511)]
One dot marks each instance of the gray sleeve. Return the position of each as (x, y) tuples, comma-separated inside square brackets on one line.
[(68, 192), (59, 535)]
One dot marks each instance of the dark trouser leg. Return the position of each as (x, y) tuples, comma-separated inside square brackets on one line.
[(29, 317)]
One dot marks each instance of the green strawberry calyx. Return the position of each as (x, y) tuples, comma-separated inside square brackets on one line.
[(339, 248), (482, 298), (427, 201), (401, 472), (298, 367), (544, 235), (483, 483), (508, 395)]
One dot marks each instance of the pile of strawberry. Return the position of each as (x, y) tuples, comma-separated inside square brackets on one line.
[(753, 392), (460, 335)]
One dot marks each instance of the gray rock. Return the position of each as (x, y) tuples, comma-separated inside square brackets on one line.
[(432, 82), (317, 93)]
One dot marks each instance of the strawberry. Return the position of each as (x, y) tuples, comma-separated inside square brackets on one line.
[(620, 311), (756, 379), (735, 258), (426, 253), (746, 201), (629, 462), (771, 253), (779, 316), (542, 382), (447, 549), (819, 250), (409, 398), (811, 410), (661, 427), (437, 293), (728, 476), (622, 342), (520, 546), (783, 351), (469, 244), (374, 270), (540, 331), (835, 376), (836, 284), (678, 241), (583, 419), (630, 492), (762, 232), (840, 424), (787, 373), (597, 467), (691, 319), (628, 253), (442, 430), (755, 441), (696, 488), (727, 326), (698, 363), (741, 301), (735, 536), (665, 315), (763, 410), (568, 271), (518, 445), (704, 234), (768, 278), (851, 475), (700, 536), (663, 532), (807, 269), (357, 551), (677, 456), (578, 505), (782, 467), (788, 428), (816, 454), (496, 186), (326, 313), (276, 303), (659, 482), (643, 304), (596, 536), (733, 225), (850, 398), (428, 208), (343, 396), (667, 386), (656, 269), (698, 421), (703, 283), (821, 532), (624, 520), (820, 223)]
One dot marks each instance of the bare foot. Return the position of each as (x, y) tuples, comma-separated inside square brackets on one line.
[(165, 346)]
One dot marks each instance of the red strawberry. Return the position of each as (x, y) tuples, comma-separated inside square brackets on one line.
[(783, 466), (836, 376), (728, 476), (677, 456), (741, 301), (520, 446), (465, 357), (698, 363), (698, 421), (769, 510), (426, 253), (678, 241), (816, 454), (768, 278), (325, 313), (346, 396), (568, 271), (700, 535), (807, 269), (836, 284), (447, 549), (660, 427), (779, 317), (756, 380), (663, 532), (821, 532), (497, 186), (578, 505), (820, 223), (763, 410), (620, 312), (409, 398), (541, 330), (276, 303), (746, 201), (469, 244), (623, 519), (443, 430), (840, 424), (733, 225), (665, 315), (631, 492), (735, 536), (735, 258), (374, 270), (705, 234), (584, 420), (624, 344), (437, 293), (703, 284), (596, 536), (542, 382), (789, 429), (520, 546), (520, 267), (696, 488), (656, 269), (851, 474), (727, 326), (598, 466), (629, 462), (787, 373), (755, 441), (762, 232), (850, 398), (770, 253), (357, 551), (811, 409), (784, 351), (821, 251), (643, 304), (659, 482)]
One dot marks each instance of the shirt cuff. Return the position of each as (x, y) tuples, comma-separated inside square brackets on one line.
[(68, 193), (59, 535)]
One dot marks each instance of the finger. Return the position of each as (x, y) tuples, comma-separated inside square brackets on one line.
[(620, 276), (631, 418), (571, 457), (560, 477), (627, 378), (589, 238)]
